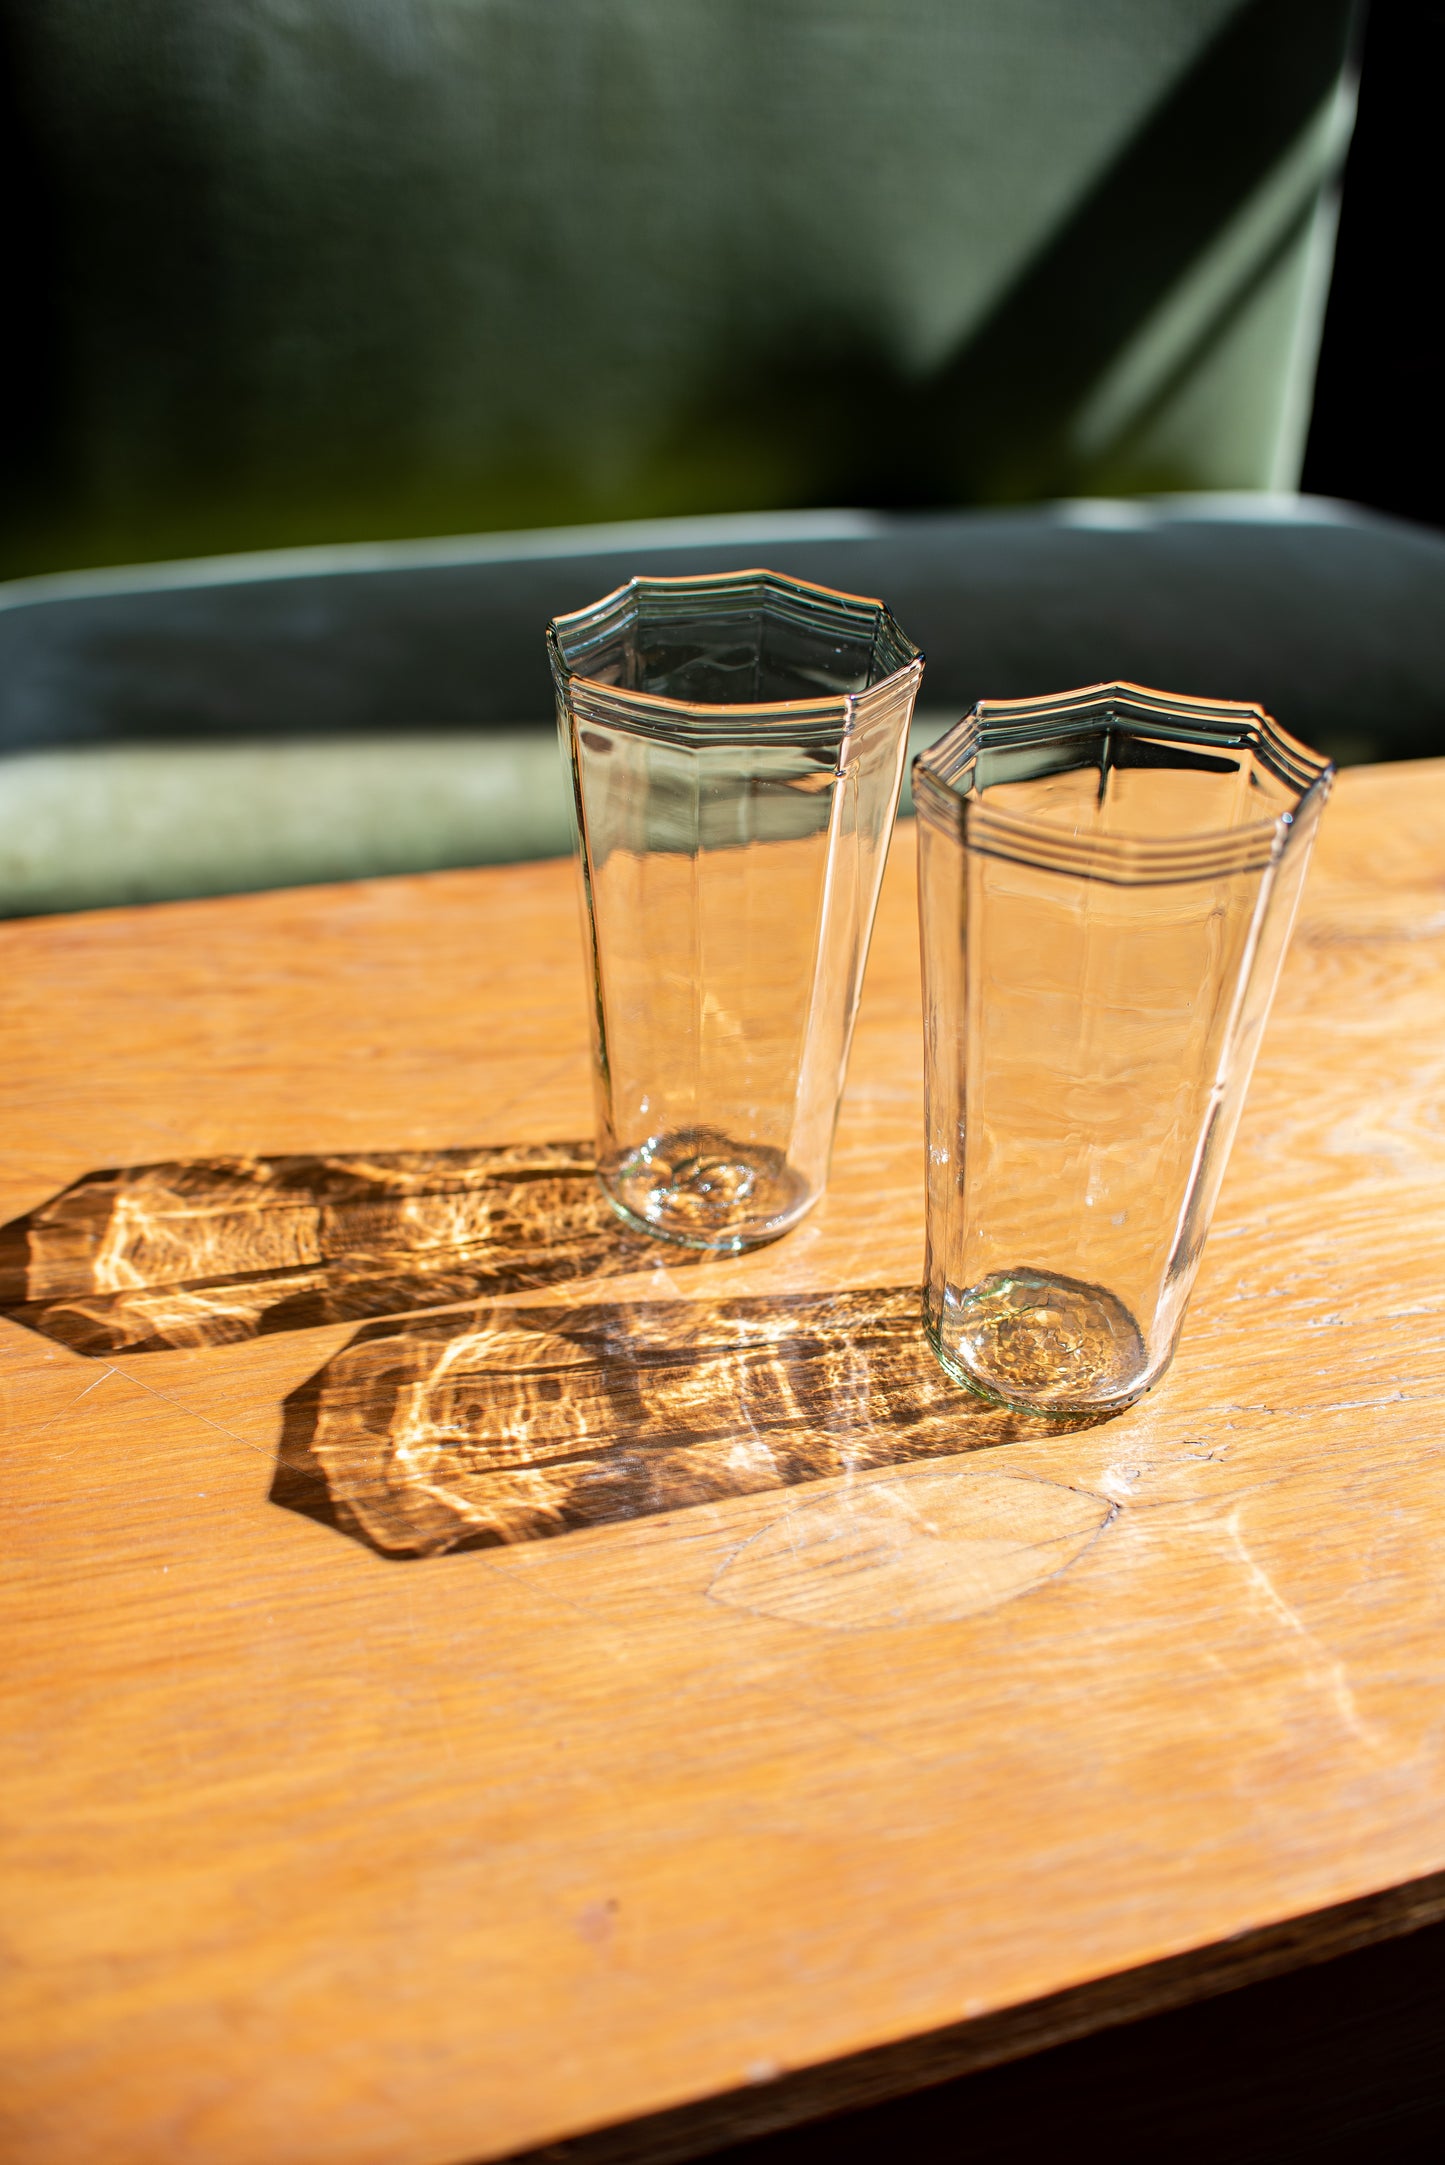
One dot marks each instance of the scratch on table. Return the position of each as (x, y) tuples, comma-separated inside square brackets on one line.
[(62, 1412), (193, 1413), (1324, 1670)]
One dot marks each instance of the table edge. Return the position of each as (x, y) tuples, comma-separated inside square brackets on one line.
[(883, 2072)]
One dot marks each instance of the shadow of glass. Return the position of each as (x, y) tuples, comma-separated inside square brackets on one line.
[(513, 1424), (208, 1251)]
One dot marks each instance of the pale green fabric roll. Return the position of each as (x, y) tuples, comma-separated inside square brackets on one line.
[(199, 728), (84, 828)]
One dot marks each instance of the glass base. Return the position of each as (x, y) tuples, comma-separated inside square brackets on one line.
[(1043, 1343), (704, 1189)]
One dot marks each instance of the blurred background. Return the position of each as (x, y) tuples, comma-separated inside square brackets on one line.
[(1035, 318)]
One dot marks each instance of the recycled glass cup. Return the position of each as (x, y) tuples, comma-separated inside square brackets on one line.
[(1107, 883), (736, 746)]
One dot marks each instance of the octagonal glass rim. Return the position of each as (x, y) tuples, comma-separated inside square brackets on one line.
[(707, 716), (1184, 854)]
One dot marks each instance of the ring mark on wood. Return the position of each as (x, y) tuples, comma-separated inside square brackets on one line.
[(925, 1548)]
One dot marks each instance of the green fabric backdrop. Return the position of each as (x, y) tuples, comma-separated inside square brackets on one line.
[(294, 270)]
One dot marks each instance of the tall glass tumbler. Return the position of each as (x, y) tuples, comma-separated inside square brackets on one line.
[(737, 746), (1107, 882)]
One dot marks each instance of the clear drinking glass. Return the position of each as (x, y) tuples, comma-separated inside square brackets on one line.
[(1107, 882), (737, 748)]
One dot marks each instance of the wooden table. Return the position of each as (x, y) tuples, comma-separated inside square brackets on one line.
[(330, 1837)]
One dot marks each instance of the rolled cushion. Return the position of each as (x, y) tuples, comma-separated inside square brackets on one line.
[(260, 721)]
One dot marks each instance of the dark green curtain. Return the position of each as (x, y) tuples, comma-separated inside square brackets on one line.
[(295, 270)]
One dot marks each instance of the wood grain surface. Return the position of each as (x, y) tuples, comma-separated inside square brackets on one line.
[(898, 1741)]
